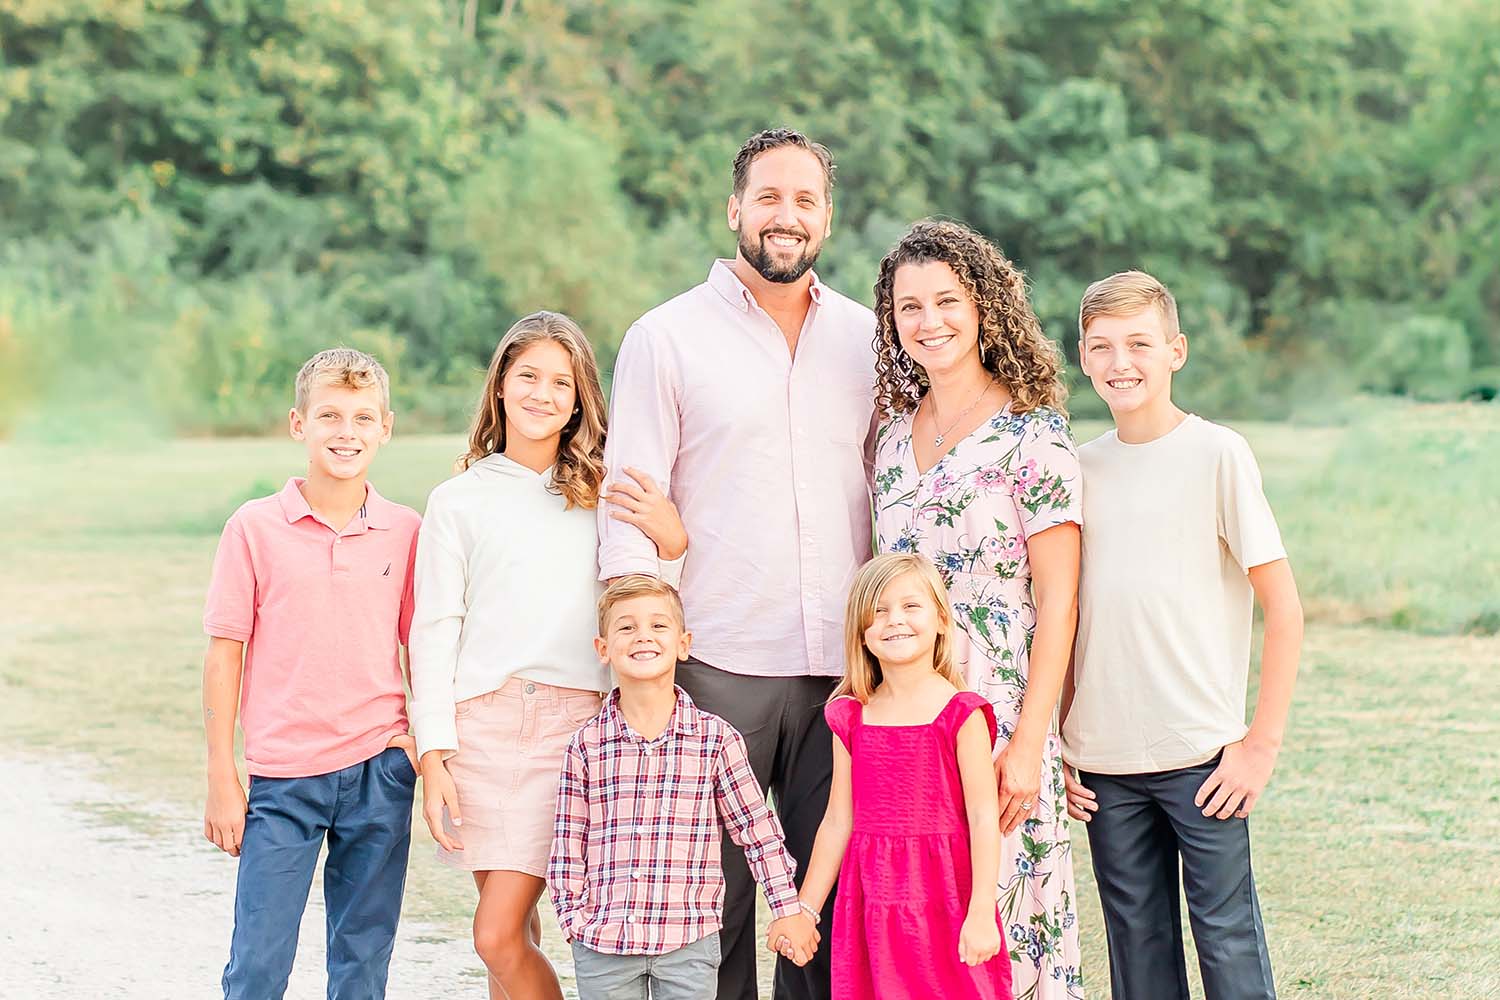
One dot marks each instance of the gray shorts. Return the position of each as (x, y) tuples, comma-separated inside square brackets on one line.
[(687, 973)]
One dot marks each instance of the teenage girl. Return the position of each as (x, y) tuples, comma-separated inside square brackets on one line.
[(912, 831), (502, 669)]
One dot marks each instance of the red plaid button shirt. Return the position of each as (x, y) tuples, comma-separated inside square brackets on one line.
[(635, 864)]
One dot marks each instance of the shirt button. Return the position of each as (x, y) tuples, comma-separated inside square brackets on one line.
[(337, 540), (634, 919)]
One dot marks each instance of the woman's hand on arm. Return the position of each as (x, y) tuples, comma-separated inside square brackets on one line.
[(639, 501)]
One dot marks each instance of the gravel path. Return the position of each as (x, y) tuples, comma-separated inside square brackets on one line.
[(104, 896)]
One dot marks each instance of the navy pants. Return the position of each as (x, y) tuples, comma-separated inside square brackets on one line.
[(364, 811), (1146, 826)]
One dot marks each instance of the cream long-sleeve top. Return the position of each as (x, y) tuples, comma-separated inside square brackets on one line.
[(505, 587)]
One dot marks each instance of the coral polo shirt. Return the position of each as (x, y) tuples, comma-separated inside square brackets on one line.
[(322, 614)]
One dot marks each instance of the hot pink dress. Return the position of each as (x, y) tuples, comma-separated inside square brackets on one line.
[(904, 886)]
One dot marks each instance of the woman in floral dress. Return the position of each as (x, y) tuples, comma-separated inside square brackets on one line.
[(975, 469)]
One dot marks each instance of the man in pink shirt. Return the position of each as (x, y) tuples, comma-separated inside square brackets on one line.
[(750, 399), (309, 605)]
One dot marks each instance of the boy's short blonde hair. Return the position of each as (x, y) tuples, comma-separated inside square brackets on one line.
[(628, 587), (346, 367), (1125, 294)]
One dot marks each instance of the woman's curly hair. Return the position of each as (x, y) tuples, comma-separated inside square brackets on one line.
[(580, 454), (1012, 346)]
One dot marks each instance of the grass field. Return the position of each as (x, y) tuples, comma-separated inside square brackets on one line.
[(1376, 846)]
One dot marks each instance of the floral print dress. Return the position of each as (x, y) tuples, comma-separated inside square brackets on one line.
[(1015, 475)]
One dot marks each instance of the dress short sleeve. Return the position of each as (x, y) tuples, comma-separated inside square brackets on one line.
[(1047, 483), (964, 705), (843, 716)]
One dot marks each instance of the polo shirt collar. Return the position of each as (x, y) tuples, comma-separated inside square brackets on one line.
[(377, 509), (722, 279), (684, 721)]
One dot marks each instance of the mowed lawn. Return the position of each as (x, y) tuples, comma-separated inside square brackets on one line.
[(1376, 849)]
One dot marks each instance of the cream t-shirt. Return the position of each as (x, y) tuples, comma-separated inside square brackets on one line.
[(1170, 530)]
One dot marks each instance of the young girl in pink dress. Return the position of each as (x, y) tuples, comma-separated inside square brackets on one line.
[(912, 830)]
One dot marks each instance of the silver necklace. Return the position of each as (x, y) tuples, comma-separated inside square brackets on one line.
[(937, 442)]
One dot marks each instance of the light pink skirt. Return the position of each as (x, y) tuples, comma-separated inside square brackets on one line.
[(510, 751)]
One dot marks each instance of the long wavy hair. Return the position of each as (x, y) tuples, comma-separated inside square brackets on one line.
[(862, 673), (1012, 346), (579, 468)]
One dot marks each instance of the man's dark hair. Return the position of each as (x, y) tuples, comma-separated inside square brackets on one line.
[(775, 138)]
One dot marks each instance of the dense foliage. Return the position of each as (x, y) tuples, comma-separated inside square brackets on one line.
[(196, 194)]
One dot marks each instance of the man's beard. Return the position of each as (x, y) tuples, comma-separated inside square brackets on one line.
[(760, 257)]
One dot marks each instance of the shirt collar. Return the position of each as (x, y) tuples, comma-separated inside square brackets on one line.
[(684, 721), (376, 511), (722, 279)]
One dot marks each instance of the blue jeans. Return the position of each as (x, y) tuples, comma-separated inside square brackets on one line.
[(687, 973), (1146, 827), (365, 812)]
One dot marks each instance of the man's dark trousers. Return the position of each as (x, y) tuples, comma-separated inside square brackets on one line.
[(791, 753), (1145, 825)]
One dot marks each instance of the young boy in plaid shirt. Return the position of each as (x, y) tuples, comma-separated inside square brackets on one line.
[(647, 786)]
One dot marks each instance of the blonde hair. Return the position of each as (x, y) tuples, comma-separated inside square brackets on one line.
[(637, 585), (579, 468), (1012, 347), (862, 674), (1126, 293), (344, 367)]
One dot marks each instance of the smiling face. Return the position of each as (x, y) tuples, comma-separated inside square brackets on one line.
[(783, 215), (906, 624), (538, 393), (643, 639), (342, 428), (1130, 360), (937, 323)]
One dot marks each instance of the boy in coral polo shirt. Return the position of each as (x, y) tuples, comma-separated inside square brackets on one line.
[(308, 608)]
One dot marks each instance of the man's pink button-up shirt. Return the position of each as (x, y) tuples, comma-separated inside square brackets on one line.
[(767, 457)]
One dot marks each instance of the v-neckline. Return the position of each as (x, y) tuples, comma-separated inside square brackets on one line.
[(911, 440)]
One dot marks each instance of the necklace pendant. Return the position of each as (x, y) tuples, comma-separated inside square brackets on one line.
[(937, 442)]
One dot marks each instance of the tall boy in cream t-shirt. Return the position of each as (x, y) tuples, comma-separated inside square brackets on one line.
[(1178, 542)]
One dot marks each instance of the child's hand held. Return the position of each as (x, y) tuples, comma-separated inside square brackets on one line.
[(794, 937)]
